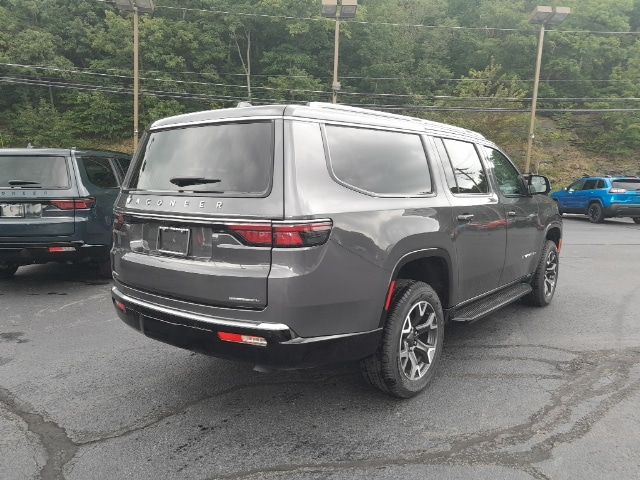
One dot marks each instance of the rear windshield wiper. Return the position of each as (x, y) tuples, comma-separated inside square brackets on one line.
[(185, 181), (15, 183)]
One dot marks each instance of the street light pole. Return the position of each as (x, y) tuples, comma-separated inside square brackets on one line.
[(338, 10), (137, 7), (543, 16), (534, 100), (335, 87), (136, 77)]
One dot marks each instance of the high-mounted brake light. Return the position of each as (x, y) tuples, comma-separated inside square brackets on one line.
[(617, 190), (75, 204), (246, 339), (283, 235)]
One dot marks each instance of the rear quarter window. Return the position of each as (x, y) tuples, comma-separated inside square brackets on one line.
[(378, 162), (98, 172)]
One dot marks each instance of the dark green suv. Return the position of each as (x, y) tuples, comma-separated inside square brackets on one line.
[(56, 205)]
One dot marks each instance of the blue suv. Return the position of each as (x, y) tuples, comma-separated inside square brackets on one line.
[(57, 205), (601, 197)]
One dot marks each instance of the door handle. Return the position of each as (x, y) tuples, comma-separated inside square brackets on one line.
[(465, 217), (511, 214)]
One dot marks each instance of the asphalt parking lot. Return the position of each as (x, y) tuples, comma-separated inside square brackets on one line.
[(526, 393)]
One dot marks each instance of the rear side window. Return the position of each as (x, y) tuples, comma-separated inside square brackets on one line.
[(99, 172), (233, 159), (468, 172), (590, 184), (629, 184), (379, 162), (33, 171), (600, 184)]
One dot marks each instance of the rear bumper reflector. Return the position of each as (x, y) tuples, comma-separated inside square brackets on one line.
[(61, 249), (246, 339)]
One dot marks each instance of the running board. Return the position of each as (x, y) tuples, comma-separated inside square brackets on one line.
[(485, 306)]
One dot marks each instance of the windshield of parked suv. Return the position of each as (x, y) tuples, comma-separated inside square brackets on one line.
[(629, 184), (225, 159), (33, 171)]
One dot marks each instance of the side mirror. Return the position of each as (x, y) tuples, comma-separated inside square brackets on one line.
[(539, 185)]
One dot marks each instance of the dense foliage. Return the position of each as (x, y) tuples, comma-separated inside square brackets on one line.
[(80, 93)]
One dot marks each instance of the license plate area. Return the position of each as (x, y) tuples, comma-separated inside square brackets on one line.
[(174, 241), (20, 210)]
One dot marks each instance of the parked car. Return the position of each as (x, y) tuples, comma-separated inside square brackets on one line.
[(56, 205), (294, 236), (601, 197)]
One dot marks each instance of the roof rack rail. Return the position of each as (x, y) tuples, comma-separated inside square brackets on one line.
[(365, 111)]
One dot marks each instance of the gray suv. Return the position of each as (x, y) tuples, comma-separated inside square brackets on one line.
[(57, 205), (294, 236)]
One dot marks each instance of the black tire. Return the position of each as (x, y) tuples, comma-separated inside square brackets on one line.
[(385, 369), (595, 212), (541, 296), (636, 219), (104, 269), (8, 270)]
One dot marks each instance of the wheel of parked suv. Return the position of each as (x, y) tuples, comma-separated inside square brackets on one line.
[(545, 279), (636, 219), (595, 213), (411, 342), (8, 270)]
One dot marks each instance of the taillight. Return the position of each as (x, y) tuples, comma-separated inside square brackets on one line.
[(283, 235), (617, 190), (75, 204), (118, 221), (255, 235), (301, 235)]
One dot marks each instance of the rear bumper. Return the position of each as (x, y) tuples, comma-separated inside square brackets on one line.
[(623, 210), (284, 349), (26, 253)]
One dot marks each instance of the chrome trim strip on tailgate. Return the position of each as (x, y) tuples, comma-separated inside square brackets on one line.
[(268, 327)]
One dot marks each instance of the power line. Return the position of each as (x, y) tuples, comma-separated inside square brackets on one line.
[(392, 24), (391, 107)]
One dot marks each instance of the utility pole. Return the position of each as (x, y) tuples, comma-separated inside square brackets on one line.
[(534, 100), (137, 7), (543, 16), (338, 9), (136, 77), (335, 86)]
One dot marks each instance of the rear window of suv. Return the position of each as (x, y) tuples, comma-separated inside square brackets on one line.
[(233, 159), (33, 171), (379, 162), (629, 184)]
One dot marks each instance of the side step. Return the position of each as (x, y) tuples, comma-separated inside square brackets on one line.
[(491, 303)]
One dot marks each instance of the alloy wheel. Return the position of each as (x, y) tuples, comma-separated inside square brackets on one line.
[(418, 340), (551, 273)]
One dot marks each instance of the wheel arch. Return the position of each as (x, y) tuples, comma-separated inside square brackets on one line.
[(433, 266)]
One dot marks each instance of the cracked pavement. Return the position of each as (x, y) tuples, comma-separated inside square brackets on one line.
[(523, 394)]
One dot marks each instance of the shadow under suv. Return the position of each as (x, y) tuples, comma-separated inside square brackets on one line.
[(57, 205), (294, 236)]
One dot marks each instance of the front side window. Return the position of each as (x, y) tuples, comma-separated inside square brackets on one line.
[(379, 162), (576, 186), (99, 172), (507, 176), (467, 168), (33, 171), (234, 159)]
